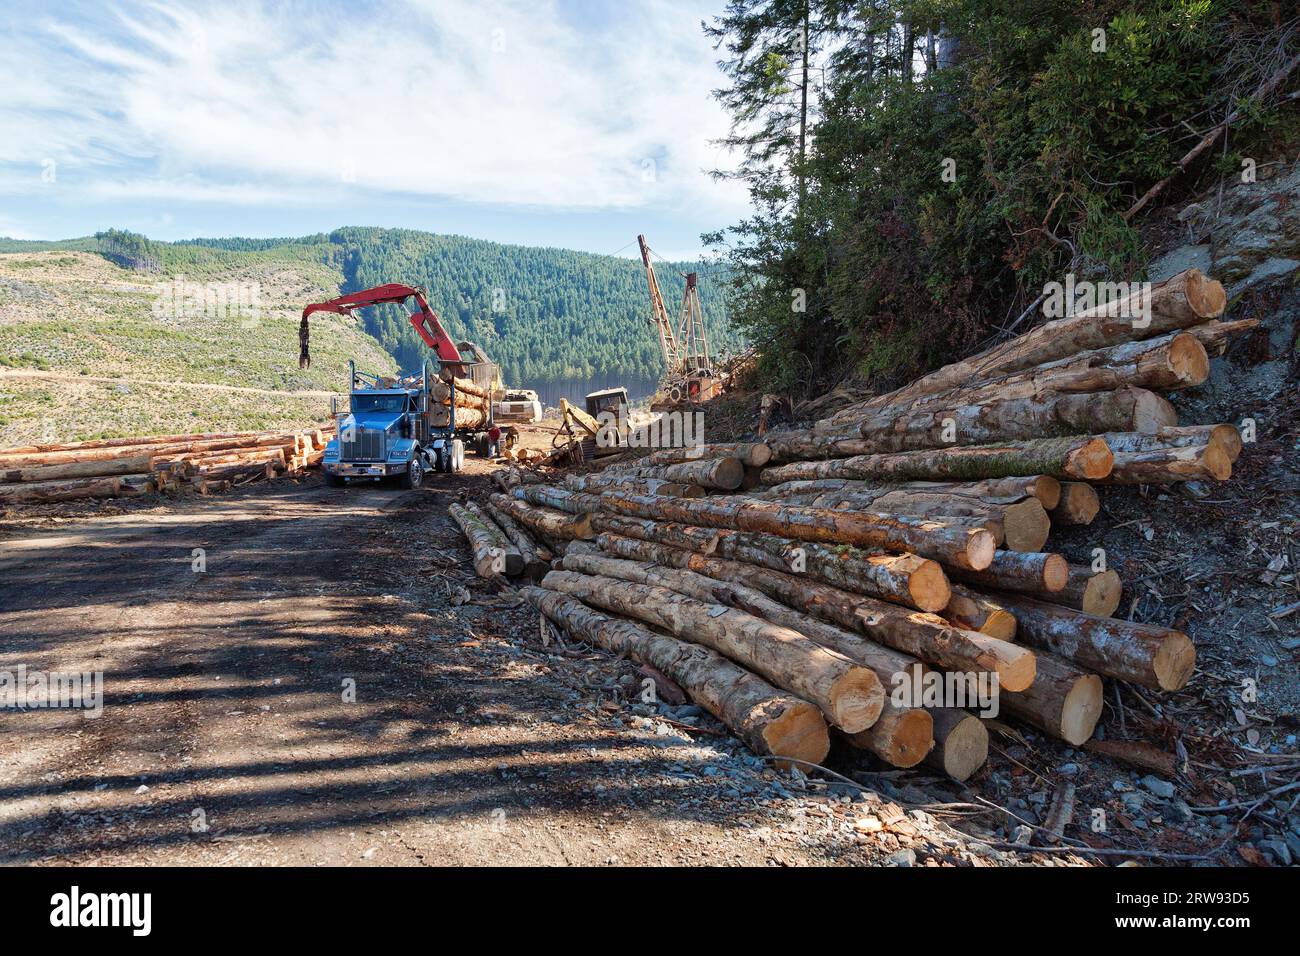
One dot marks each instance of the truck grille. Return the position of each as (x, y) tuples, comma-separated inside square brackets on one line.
[(367, 445)]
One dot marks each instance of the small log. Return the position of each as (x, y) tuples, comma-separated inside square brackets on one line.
[(1215, 336), (485, 541), (546, 521), (1167, 464), (769, 720), (1019, 571), (961, 743), (77, 469), (722, 474), (598, 482), (1138, 753), (536, 557), (1143, 654), (1064, 700), (1093, 592), (1078, 506), (849, 695), (898, 533), (901, 737), (754, 454), (977, 612), (1075, 457)]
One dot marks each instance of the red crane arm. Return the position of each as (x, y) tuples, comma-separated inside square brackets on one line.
[(425, 320)]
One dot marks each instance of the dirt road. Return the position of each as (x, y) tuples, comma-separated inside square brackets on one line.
[(228, 734)]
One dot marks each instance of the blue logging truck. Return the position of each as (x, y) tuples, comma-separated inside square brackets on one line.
[(405, 428)]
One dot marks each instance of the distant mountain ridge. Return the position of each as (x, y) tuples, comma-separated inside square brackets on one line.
[(545, 314)]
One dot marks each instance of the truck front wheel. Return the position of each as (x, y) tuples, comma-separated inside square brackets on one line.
[(414, 476)]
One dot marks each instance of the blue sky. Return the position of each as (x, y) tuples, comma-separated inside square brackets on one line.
[(574, 123)]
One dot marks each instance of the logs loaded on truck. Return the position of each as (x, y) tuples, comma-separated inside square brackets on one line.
[(795, 588)]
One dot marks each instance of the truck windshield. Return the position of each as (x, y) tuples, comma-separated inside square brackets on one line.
[(378, 403)]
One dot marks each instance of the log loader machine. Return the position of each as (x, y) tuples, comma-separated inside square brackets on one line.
[(689, 377), (389, 430)]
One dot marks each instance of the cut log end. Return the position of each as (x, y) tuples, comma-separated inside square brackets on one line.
[(1102, 593), (980, 548), (1206, 296), (1047, 490), (729, 473), (928, 587), (1217, 462), (1000, 624), (858, 698), (1093, 459), (902, 738), (1174, 661), (1016, 671), (1079, 504), (1056, 573), (1026, 525), (1152, 412), (799, 733), (1081, 710), (964, 748), (1188, 359)]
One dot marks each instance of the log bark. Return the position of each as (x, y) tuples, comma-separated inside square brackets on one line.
[(1085, 590), (904, 579), (40, 492), (1169, 362), (898, 533), (1078, 506), (750, 453), (485, 542), (78, 469), (901, 737), (1086, 458), (536, 557), (1225, 436), (1184, 300), (646, 567), (978, 612), (546, 521), (1215, 336), (598, 482), (770, 721), (1064, 700), (1046, 489), (1049, 414), (1167, 464), (1143, 654), (923, 636), (135, 451), (468, 386), (1018, 571), (849, 695), (722, 474), (961, 743)]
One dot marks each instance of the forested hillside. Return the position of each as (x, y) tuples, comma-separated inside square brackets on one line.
[(920, 169), (544, 314)]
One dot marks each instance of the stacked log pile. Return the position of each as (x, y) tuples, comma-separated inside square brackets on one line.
[(123, 467), (903, 538)]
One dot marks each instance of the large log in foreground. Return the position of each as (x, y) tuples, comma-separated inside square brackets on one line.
[(490, 558), (1064, 701), (42, 492), (900, 533), (848, 694), (923, 636), (1143, 654), (1081, 458), (769, 720)]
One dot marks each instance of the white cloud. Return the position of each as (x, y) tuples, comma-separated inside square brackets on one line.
[(494, 101)]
